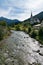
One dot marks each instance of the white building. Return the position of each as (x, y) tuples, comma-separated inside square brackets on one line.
[(37, 26)]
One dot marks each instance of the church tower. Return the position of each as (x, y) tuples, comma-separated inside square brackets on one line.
[(31, 15), (31, 19)]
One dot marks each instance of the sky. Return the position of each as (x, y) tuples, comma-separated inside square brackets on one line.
[(20, 9)]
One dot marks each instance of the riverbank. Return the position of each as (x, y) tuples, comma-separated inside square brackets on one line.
[(4, 33)]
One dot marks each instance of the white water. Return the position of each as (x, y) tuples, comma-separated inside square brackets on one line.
[(23, 49)]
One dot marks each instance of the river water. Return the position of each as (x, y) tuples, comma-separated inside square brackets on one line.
[(21, 49)]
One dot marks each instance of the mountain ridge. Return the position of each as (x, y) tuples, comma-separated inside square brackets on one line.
[(16, 21), (39, 16), (9, 21)]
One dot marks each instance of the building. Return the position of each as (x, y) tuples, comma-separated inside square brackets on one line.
[(37, 26), (33, 20)]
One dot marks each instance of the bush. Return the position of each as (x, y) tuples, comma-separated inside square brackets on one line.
[(41, 35), (3, 23), (8, 28), (33, 34), (29, 29), (41, 32), (17, 28), (24, 29), (1, 34)]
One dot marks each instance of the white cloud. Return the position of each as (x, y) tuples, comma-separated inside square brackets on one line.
[(20, 9)]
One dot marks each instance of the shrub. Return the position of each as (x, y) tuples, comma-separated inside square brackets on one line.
[(41, 32), (33, 34), (29, 29), (1, 34), (17, 28), (40, 36), (3, 23)]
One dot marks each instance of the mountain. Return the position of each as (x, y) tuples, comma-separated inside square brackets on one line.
[(39, 16), (9, 21), (15, 21)]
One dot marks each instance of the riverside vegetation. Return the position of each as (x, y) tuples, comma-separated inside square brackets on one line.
[(4, 30), (28, 28)]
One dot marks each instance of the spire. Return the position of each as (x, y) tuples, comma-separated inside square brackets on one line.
[(31, 15), (31, 19)]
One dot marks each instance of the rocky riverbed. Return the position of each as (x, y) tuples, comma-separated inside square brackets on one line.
[(20, 49)]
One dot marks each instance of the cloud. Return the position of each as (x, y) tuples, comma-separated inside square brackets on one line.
[(20, 9)]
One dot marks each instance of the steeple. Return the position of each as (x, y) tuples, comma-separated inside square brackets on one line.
[(31, 19), (31, 15)]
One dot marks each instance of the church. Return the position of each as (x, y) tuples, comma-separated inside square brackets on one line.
[(33, 20)]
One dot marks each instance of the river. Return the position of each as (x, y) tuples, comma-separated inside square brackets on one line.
[(21, 49)]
